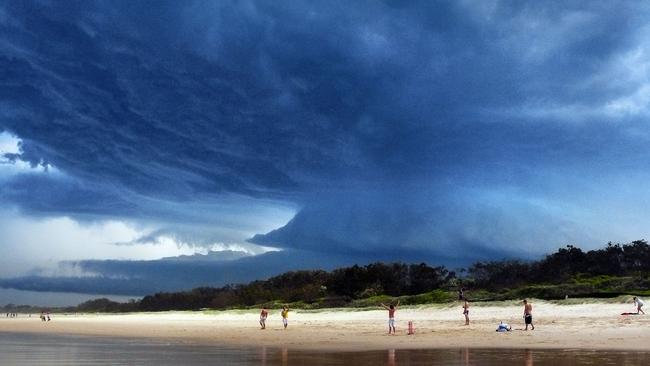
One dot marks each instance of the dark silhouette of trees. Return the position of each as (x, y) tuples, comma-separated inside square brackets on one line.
[(615, 266), (499, 274), (104, 305), (396, 279), (563, 266)]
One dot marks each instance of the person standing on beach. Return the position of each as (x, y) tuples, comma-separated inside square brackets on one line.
[(263, 315), (285, 316), (639, 304), (528, 314), (466, 311), (391, 316)]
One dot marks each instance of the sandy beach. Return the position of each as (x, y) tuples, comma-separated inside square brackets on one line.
[(576, 326)]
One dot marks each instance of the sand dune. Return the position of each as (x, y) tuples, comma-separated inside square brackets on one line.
[(584, 326)]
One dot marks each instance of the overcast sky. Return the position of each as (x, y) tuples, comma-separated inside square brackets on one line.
[(339, 132)]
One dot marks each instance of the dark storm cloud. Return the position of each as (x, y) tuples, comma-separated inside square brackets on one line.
[(40, 194), (122, 277), (423, 223), (420, 126)]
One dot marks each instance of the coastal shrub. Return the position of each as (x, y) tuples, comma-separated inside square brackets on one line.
[(372, 301), (617, 269), (335, 301)]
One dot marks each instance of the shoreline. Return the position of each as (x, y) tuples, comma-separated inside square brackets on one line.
[(589, 326)]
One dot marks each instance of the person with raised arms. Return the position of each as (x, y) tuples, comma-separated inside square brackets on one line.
[(391, 316)]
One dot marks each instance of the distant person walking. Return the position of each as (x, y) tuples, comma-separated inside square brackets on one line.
[(466, 311), (639, 304), (528, 314), (263, 315), (285, 316), (391, 316), (461, 294)]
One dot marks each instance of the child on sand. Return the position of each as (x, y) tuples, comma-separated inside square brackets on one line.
[(391, 316), (263, 315), (639, 304), (528, 315), (285, 316), (503, 327), (466, 311)]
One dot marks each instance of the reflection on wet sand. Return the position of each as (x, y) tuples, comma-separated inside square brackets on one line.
[(28, 349), (464, 356), (285, 356), (391, 357)]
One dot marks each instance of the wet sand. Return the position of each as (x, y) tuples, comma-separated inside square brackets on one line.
[(28, 349), (597, 326)]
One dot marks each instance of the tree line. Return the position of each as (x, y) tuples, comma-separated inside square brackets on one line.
[(563, 266), (336, 288), (616, 267)]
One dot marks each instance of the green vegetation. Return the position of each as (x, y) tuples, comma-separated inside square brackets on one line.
[(608, 273)]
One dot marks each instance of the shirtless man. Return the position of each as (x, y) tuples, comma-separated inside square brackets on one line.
[(391, 316), (528, 315), (466, 311), (263, 315)]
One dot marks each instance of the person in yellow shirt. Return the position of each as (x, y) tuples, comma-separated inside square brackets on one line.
[(285, 316)]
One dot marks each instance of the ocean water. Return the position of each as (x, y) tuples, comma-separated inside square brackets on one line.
[(39, 349)]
